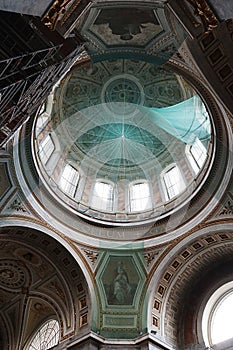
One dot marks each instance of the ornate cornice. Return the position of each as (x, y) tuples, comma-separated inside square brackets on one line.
[(55, 12), (206, 16)]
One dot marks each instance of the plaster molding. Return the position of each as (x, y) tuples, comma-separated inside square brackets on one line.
[(16, 206)]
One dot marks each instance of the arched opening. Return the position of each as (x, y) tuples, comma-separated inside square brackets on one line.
[(46, 337), (103, 195), (140, 196), (173, 182), (217, 317), (69, 180), (46, 148), (197, 154), (43, 286)]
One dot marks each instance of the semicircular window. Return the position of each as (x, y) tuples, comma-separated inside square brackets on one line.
[(222, 320), (46, 337), (218, 317)]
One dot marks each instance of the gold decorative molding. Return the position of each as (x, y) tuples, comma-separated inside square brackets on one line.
[(55, 12), (69, 13), (202, 10)]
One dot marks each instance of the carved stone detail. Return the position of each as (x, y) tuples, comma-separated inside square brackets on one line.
[(92, 255), (56, 287), (17, 205), (12, 274), (228, 208), (150, 257)]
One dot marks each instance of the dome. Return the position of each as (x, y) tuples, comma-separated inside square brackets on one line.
[(123, 141)]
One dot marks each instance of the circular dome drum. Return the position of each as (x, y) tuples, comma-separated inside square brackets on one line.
[(122, 147)]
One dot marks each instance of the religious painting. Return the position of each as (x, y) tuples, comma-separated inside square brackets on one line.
[(120, 280), (134, 26)]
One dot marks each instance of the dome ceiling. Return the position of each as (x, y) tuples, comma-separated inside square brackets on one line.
[(120, 123), (104, 117), (123, 138)]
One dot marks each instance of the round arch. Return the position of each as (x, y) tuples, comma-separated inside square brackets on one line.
[(179, 278), (45, 279)]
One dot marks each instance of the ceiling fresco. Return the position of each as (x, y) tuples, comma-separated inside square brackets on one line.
[(118, 275), (120, 29), (120, 281), (32, 286), (123, 121), (136, 26)]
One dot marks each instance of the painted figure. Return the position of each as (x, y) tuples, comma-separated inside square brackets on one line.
[(121, 286)]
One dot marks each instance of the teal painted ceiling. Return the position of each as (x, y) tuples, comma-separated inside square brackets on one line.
[(125, 121), (122, 137)]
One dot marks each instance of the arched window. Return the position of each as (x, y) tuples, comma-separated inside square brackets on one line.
[(103, 196), (173, 181), (139, 196), (46, 337), (218, 316), (42, 118), (46, 148), (44, 114), (69, 180), (222, 320), (196, 154)]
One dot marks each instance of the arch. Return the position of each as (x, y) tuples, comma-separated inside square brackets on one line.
[(181, 278), (46, 336), (57, 283), (184, 267), (75, 253)]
